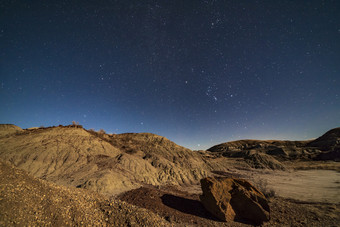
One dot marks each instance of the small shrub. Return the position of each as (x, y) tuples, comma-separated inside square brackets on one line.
[(74, 123), (101, 131), (262, 185)]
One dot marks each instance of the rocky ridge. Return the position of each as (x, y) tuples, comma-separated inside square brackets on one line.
[(269, 154)]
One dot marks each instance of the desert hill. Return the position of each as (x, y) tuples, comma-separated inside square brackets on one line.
[(330, 144), (328, 141), (109, 164)]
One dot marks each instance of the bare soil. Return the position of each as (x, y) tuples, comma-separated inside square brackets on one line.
[(27, 201), (183, 208), (306, 185)]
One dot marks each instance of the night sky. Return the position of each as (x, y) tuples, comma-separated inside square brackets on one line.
[(197, 72)]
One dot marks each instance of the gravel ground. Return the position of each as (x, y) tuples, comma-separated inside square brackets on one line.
[(27, 201)]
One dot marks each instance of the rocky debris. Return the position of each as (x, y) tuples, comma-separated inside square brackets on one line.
[(27, 201), (285, 212), (232, 199)]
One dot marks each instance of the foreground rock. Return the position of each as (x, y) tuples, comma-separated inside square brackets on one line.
[(232, 199)]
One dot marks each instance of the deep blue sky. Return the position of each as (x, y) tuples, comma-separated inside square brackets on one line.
[(197, 72)]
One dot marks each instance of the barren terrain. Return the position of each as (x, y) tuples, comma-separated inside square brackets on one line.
[(82, 177)]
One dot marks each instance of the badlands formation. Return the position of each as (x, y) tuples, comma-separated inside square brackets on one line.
[(67, 175)]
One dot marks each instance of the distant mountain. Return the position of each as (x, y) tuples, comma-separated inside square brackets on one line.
[(325, 147), (278, 148)]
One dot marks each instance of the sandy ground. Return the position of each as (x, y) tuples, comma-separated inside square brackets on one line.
[(322, 186), (306, 185)]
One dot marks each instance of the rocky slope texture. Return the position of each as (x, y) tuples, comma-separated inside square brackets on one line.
[(109, 164), (26, 201), (270, 153), (232, 199)]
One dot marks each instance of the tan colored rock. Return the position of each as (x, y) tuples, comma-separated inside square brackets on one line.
[(232, 199)]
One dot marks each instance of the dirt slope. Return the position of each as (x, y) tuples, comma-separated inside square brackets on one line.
[(28, 201), (109, 164), (6, 129)]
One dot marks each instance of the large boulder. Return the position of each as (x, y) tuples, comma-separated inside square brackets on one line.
[(232, 199)]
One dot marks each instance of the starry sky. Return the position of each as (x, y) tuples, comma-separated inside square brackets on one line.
[(197, 72)]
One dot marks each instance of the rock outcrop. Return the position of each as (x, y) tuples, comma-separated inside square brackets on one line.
[(232, 199)]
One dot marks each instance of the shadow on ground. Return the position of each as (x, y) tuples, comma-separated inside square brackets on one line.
[(188, 206)]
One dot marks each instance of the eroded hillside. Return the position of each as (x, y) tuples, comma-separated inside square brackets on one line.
[(109, 164)]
